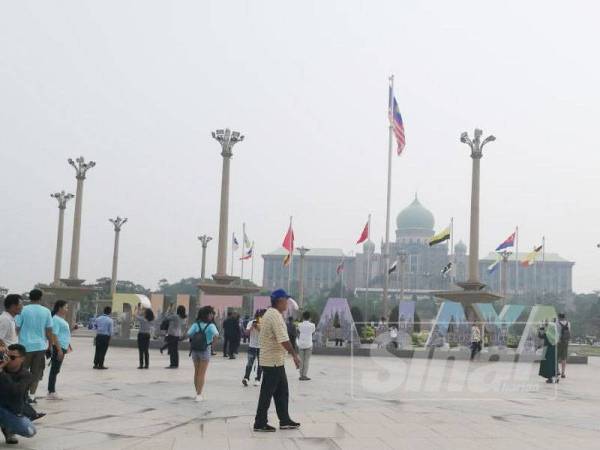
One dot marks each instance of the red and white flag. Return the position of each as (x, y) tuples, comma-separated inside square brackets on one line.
[(364, 235), (288, 244)]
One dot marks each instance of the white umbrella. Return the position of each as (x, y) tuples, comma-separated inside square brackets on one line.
[(144, 301)]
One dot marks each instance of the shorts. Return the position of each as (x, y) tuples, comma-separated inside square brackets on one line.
[(563, 351), (201, 356)]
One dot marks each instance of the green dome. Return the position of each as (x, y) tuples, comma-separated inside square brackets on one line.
[(415, 216)]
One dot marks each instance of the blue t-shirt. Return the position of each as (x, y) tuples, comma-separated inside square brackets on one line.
[(60, 329), (210, 331), (33, 322)]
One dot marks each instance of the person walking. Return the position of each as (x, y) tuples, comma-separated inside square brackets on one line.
[(104, 330), (475, 341), (202, 335), (274, 344), (145, 318), (231, 330), (306, 330), (244, 328), (8, 328), (253, 330), (549, 361), (62, 345), (292, 332), (564, 335), (176, 324), (14, 383), (34, 326)]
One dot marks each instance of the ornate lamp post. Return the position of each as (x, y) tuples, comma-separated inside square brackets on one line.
[(303, 251), (62, 198), (81, 168), (204, 239), (227, 139), (476, 145), (117, 223)]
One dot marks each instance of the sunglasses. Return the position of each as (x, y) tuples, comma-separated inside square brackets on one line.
[(12, 357)]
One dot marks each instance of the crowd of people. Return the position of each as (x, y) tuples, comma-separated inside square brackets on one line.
[(28, 337), (32, 334)]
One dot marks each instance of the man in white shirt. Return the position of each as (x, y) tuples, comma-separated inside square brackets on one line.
[(253, 329), (8, 328), (306, 330)]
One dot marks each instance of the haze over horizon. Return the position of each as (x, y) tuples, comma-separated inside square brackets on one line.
[(139, 92)]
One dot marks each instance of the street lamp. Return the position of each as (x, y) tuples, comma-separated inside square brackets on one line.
[(81, 167), (204, 239), (118, 224), (62, 198), (476, 145), (227, 139)]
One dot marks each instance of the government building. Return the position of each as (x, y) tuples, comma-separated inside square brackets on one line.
[(421, 270)]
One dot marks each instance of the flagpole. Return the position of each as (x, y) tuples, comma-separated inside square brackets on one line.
[(291, 263), (543, 277), (517, 261), (252, 263), (386, 256), (243, 249), (232, 251), (452, 256), (342, 280), (368, 268)]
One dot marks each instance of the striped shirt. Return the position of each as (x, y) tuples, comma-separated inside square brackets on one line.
[(272, 333)]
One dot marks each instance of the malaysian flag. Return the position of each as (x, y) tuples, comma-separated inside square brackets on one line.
[(396, 121)]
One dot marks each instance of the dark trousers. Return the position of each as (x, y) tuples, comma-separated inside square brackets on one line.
[(102, 341), (230, 345), (143, 341), (55, 365), (173, 346), (274, 385), (253, 355), (475, 348)]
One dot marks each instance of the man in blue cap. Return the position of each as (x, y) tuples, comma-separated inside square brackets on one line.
[(274, 344)]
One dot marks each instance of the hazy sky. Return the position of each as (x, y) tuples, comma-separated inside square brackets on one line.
[(138, 87)]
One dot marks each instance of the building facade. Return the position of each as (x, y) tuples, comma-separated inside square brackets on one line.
[(421, 270)]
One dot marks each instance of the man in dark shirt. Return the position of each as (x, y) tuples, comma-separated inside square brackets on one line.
[(231, 330), (14, 384)]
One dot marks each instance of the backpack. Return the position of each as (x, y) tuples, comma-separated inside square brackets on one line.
[(565, 333), (164, 325), (199, 342)]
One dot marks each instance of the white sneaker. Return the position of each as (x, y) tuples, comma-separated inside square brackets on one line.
[(256, 383), (52, 396), (199, 398)]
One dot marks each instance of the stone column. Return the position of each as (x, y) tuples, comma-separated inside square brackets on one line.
[(62, 198), (474, 228), (204, 239), (227, 139), (118, 223), (476, 146), (81, 168)]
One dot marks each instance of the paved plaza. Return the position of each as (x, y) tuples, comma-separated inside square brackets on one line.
[(351, 403)]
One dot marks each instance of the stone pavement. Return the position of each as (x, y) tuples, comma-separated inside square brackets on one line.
[(351, 403)]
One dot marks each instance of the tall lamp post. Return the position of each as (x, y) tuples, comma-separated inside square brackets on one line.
[(117, 223), (227, 139), (476, 145), (204, 239), (303, 251), (81, 168), (62, 199)]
